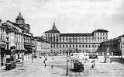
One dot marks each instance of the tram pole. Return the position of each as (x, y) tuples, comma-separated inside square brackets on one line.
[(67, 62)]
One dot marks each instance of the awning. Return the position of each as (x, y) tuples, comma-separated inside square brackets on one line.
[(2, 44), (27, 46)]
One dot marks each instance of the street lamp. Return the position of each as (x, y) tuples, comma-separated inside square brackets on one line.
[(33, 52), (121, 46), (32, 56), (67, 55)]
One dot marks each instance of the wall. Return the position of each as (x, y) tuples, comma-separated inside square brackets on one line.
[(122, 45)]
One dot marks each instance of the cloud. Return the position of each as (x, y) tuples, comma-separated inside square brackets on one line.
[(119, 16), (69, 15)]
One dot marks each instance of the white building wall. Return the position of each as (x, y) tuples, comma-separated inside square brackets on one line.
[(122, 45), (11, 39)]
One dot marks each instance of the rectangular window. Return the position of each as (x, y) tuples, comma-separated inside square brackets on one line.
[(83, 46), (80, 39), (66, 46), (76, 45), (79, 46), (89, 46), (72, 39), (86, 46), (61, 39), (66, 39)]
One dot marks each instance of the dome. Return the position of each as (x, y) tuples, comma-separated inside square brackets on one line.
[(19, 17)]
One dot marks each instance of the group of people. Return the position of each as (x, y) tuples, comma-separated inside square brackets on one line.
[(52, 59), (93, 64), (44, 61)]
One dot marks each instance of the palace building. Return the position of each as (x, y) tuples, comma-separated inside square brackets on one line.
[(76, 42)]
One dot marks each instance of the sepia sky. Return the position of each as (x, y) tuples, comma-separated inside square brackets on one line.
[(70, 16)]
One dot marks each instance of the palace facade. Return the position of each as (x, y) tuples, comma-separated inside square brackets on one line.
[(76, 42)]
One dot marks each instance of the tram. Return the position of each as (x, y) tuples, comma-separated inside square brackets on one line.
[(10, 59)]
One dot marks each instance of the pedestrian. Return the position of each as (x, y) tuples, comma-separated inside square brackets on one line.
[(93, 63), (40, 57), (97, 57), (44, 63), (46, 58), (51, 66), (52, 58)]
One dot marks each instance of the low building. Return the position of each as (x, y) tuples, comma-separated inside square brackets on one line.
[(41, 46), (28, 42), (2, 42), (14, 36), (45, 47), (26, 33), (38, 45), (113, 46), (18, 34)]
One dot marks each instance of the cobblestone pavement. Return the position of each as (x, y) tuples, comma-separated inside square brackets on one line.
[(37, 69)]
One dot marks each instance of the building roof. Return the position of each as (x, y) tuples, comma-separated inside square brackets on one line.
[(40, 39), (19, 17), (120, 36), (100, 30), (76, 34), (13, 23), (53, 30)]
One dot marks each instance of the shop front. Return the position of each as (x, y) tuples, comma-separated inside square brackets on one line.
[(2, 53), (28, 49)]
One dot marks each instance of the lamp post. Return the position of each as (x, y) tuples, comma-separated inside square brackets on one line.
[(67, 58), (121, 47), (22, 58), (67, 55), (50, 39), (32, 56)]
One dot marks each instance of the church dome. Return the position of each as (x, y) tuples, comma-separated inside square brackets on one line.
[(19, 17)]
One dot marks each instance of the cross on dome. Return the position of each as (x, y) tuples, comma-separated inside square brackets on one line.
[(19, 16)]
